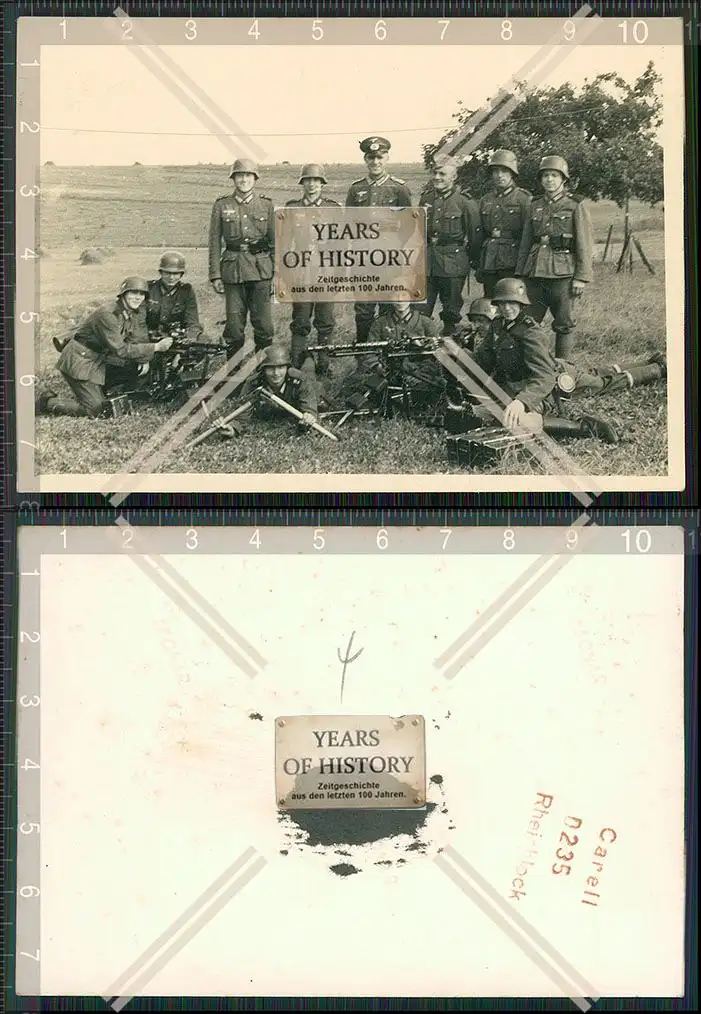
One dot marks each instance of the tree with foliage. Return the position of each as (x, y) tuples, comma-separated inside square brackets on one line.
[(607, 131)]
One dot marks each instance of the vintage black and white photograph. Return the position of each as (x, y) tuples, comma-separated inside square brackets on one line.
[(548, 339)]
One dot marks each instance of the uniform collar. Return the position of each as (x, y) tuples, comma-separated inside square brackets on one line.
[(378, 182), (557, 197), (309, 203), (168, 292), (507, 190), (444, 194), (403, 320), (243, 200)]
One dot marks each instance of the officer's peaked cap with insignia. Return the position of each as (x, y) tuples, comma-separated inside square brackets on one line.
[(375, 146), (312, 171), (244, 165)]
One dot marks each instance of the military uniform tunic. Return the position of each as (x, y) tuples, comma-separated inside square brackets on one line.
[(516, 356), (503, 215), (110, 336), (241, 250), (454, 235), (321, 315), (556, 247), (422, 375), (175, 307), (386, 192), (298, 390)]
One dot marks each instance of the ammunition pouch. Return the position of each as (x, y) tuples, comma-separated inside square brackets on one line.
[(559, 244)]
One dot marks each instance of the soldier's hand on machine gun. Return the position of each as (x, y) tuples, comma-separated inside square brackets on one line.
[(143, 369), (218, 286), (163, 344), (308, 419)]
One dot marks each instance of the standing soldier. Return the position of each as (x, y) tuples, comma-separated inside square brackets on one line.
[(312, 179), (113, 334), (241, 247), (454, 236), (503, 213), (555, 256), (376, 190), (172, 302)]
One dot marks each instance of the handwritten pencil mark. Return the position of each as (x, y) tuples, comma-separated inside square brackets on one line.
[(345, 662)]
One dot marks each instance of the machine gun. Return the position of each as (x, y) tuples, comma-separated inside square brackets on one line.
[(395, 385), (176, 373)]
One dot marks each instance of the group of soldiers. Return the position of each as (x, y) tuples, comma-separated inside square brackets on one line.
[(532, 255)]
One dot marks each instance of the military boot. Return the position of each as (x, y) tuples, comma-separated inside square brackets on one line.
[(587, 426), (564, 344)]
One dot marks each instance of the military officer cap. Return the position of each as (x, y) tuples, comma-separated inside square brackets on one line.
[(510, 290), (375, 146), (312, 170), (555, 162), (244, 165)]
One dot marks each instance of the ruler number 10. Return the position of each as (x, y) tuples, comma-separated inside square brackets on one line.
[(638, 542)]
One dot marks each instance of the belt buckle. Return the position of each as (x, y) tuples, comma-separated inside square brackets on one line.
[(545, 241), (244, 245), (496, 233)]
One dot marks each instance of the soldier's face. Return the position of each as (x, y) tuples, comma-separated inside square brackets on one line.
[(401, 308), (312, 187), (551, 181), (376, 162), (134, 299), (170, 278), (501, 178), (481, 324), (443, 178), (509, 310), (275, 376), (244, 182)]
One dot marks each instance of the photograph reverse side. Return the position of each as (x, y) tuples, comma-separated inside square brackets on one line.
[(536, 340)]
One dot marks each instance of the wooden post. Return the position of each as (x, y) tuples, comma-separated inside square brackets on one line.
[(643, 258), (608, 243), (626, 238)]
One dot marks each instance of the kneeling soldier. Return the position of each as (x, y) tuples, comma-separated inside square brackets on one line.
[(312, 179), (106, 338), (516, 356), (279, 378)]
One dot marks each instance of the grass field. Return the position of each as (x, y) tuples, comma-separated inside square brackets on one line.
[(138, 211)]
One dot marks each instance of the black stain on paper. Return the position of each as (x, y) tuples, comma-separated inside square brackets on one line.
[(344, 870), (256, 716)]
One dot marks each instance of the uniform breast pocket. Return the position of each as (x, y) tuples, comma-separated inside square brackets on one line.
[(453, 226)]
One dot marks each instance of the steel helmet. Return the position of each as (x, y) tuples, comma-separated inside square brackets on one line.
[(276, 355), (482, 308), (312, 170), (134, 284), (556, 162), (171, 260), (510, 290), (244, 165), (503, 159)]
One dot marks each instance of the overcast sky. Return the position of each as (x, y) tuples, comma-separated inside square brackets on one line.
[(101, 106)]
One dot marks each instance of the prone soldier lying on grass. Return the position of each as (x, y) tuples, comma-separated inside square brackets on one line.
[(515, 354), (275, 391)]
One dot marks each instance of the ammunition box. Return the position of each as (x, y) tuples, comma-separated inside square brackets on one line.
[(484, 447)]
